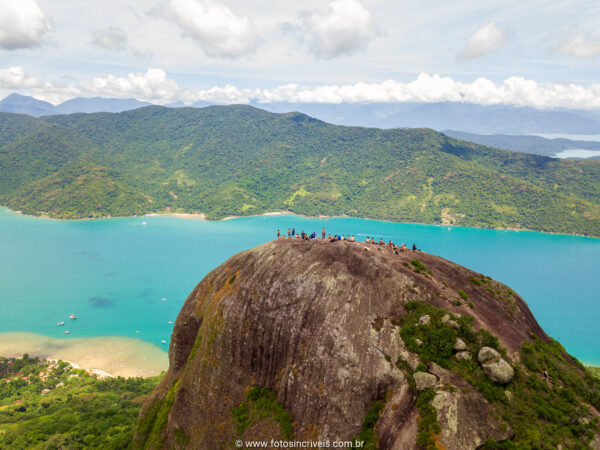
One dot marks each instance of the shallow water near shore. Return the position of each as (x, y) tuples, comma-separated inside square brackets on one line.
[(129, 277), (117, 356)]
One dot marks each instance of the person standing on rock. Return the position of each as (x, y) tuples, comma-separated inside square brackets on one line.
[(323, 233), (289, 233), (278, 234), (293, 232)]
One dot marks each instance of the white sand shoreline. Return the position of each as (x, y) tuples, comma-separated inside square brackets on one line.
[(109, 356)]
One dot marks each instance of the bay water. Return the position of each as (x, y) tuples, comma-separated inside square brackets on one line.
[(130, 276)]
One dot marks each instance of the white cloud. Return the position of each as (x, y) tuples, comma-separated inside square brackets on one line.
[(485, 40), (22, 24), (155, 86), (213, 26), (113, 39), (16, 78), (345, 28), (426, 88), (579, 45)]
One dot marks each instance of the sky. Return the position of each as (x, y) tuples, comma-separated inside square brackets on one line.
[(544, 54)]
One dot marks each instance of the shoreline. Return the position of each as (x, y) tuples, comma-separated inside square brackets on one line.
[(202, 216), (106, 356)]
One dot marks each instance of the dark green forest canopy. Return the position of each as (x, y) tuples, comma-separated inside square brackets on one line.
[(50, 405), (240, 160)]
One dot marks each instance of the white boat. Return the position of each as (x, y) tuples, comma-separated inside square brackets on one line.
[(163, 341), (170, 321), (72, 316), (67, 331), (60, 324), (144, 223), (164, 299)]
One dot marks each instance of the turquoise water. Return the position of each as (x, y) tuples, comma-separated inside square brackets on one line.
[(114, 273), (577, 153)]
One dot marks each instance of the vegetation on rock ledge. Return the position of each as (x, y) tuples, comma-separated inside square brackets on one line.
[(543, 411), (262, 405)]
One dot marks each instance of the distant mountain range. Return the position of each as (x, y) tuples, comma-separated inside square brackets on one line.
[(239, 160), (466, 117), (535, 145), (22, 104)]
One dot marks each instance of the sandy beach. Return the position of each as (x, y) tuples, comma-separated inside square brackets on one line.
[(180, 215), (106, 356)]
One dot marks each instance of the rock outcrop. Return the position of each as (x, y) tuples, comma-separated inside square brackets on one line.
[(318, 324), (424, 380), (459, 345), (495, 366)]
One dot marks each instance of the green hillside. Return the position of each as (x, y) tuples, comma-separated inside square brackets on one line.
[(47, 405), (239, 160)]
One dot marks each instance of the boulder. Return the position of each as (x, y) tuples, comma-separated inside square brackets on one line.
[(463, 355), (486, 354), (460, 345), (424, 320), (495, 367), (424, 380), (447, 320), (453, 324)]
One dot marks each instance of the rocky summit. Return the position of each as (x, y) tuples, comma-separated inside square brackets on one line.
[(311, 340)]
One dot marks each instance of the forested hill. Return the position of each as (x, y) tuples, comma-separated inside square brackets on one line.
[(240, 160)]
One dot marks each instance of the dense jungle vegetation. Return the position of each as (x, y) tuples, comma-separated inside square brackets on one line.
[(240, 160), (49, 405)]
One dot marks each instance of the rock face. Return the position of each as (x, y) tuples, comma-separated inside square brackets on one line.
[(317, 323), (424, 380), (495, 366)]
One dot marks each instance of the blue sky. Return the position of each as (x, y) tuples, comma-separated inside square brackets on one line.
[(538, 53)]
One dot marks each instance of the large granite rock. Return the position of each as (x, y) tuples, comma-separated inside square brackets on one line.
[(317, 323)]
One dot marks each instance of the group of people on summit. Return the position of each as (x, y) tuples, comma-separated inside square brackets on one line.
[(291, 234)]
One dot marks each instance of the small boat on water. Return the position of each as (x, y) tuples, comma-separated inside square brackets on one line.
[(60, 324), (144, 223), (163, 341), (72, 316), (170, 321), (164, 299), (67, 331)]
